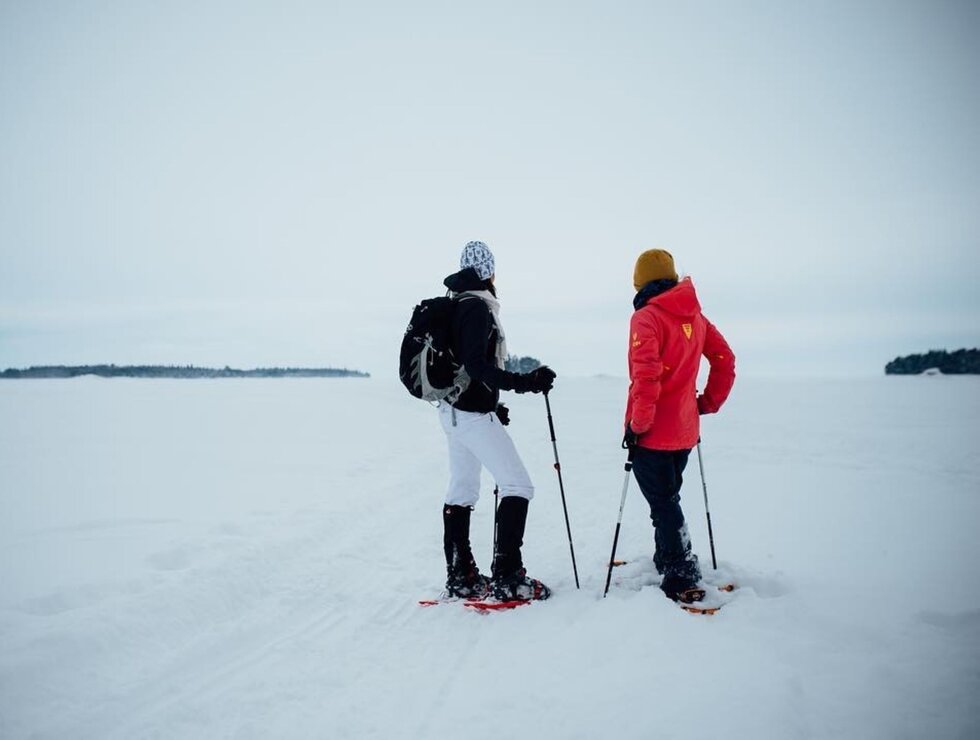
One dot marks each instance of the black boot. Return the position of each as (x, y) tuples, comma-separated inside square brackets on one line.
[(510, 580), (463, 578), (688, 595)]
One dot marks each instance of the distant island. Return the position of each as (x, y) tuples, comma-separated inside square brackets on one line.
[(515, 364), (960, 362), (175, 371)]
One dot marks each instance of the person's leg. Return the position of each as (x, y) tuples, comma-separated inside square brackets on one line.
[(660, 475), (487, 439), (463, 576)]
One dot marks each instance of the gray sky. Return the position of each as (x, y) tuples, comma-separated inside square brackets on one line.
[(278, 183)]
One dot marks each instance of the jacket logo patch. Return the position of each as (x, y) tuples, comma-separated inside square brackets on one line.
[(688, 330), (636, 340)]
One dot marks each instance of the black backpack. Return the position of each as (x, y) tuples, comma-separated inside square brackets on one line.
[(427, 365)]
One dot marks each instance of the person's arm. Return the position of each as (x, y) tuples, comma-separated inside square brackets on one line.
[(646, 370), (721, 376), (471, 336)]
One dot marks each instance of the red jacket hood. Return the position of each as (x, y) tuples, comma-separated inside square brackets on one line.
[(679, 301)]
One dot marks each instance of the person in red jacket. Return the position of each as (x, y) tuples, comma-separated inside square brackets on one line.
[(668, 337)]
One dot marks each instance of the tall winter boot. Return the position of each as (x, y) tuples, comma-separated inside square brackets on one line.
[(510, 579), (463, 578)]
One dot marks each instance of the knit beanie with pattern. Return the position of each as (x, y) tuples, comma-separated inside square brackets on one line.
[(478, 256), (653, 264)]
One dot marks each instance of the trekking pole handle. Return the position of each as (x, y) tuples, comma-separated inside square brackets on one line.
[(551, 428), (628, 467), (551, 421)]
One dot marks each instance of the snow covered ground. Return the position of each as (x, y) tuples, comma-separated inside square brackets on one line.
[(210, 559)]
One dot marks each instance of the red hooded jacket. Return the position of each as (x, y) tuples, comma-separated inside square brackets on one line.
[(668, 337)]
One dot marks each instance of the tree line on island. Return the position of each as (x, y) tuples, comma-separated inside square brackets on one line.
[(514, 364), (960, 362), (176, 371)]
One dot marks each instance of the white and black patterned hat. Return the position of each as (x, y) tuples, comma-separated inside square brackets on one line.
[(478, 256)]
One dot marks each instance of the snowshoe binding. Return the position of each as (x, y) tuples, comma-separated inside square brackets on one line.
[(518, 587), (467, 583), (687, 595)]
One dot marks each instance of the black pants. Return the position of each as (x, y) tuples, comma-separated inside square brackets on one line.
[(660, 475)]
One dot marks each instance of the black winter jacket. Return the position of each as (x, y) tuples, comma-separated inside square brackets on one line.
[(475, 336)]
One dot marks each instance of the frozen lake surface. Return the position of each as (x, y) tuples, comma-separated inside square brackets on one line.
[(209, 559)]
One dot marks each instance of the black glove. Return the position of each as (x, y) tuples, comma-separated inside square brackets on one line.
[(503, 413), (540, 380), (704, 407), (630, 438)]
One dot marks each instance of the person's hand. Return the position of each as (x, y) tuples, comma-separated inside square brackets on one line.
[(630, 438), (704, 407), (503, 413), (541, 380)]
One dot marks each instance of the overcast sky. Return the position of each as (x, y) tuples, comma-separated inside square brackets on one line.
[(278, 183)]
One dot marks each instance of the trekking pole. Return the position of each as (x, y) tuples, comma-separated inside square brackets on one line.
[(619, 521), (561, 486), (496, 504), (707, 511)]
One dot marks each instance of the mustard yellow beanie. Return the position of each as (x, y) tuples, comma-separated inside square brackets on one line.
[(653, 264)]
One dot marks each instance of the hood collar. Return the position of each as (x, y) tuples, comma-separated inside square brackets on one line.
[(679, 299), (464, 280), (651, 290)]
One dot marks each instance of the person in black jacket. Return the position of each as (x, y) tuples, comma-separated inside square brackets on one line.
[(474, 426)]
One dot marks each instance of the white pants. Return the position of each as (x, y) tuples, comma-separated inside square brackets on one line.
[(477, 440)]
